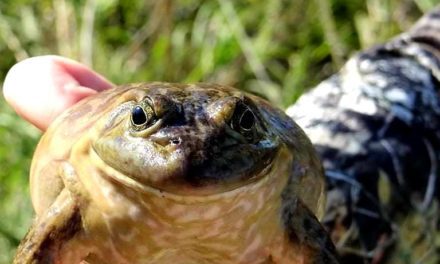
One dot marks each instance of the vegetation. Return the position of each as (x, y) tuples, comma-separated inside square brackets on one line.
[(274, 48)]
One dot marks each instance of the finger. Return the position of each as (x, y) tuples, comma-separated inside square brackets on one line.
[(40, 88)]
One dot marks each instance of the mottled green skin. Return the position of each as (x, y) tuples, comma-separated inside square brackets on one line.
[(196, 150)]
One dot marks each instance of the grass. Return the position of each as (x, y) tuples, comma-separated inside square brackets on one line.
[(18, 140), (276, 49)]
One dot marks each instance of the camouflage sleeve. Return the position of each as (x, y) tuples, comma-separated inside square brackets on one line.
[(376, 126)]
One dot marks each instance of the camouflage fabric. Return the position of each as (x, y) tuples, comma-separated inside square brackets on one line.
[(376, 126)]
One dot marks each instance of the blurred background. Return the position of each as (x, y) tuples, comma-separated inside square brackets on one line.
[(277, 49)]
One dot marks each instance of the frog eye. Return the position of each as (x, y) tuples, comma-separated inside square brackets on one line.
[(247, 120), (138, 116), (142, 115), (243, 119)]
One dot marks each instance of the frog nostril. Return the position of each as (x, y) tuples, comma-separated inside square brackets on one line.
[(176, 141), (165, 140)]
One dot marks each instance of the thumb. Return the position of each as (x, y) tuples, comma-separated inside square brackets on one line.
[(40, 88)]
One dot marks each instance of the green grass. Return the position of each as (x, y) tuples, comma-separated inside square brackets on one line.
[(18, 140), (275, 48)]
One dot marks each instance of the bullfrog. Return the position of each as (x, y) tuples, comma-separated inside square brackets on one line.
[(176, 173)]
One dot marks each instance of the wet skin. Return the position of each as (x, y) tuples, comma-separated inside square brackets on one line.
[(161, 173)]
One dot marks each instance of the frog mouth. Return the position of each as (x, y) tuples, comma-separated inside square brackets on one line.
[(177, 161), (231, 164), (181, 192)]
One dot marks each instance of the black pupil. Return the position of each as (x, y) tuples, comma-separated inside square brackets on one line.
[(138, 116), (247, 120)]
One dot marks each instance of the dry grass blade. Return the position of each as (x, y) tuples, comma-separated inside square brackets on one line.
[(86, 33)]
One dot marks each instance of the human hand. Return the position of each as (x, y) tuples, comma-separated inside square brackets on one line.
[(40, 88)]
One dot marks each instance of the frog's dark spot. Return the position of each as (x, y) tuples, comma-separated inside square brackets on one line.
[(307, 224), (321, 232), (270, 259), (325, 258)]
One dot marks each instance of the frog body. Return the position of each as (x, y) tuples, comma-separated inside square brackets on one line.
[(162, 173)]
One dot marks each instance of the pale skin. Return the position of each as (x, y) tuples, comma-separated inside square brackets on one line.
[(40, 88)]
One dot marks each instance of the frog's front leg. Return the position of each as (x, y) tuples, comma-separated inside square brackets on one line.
[(58, 228), (59, 223), (304, 229)]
